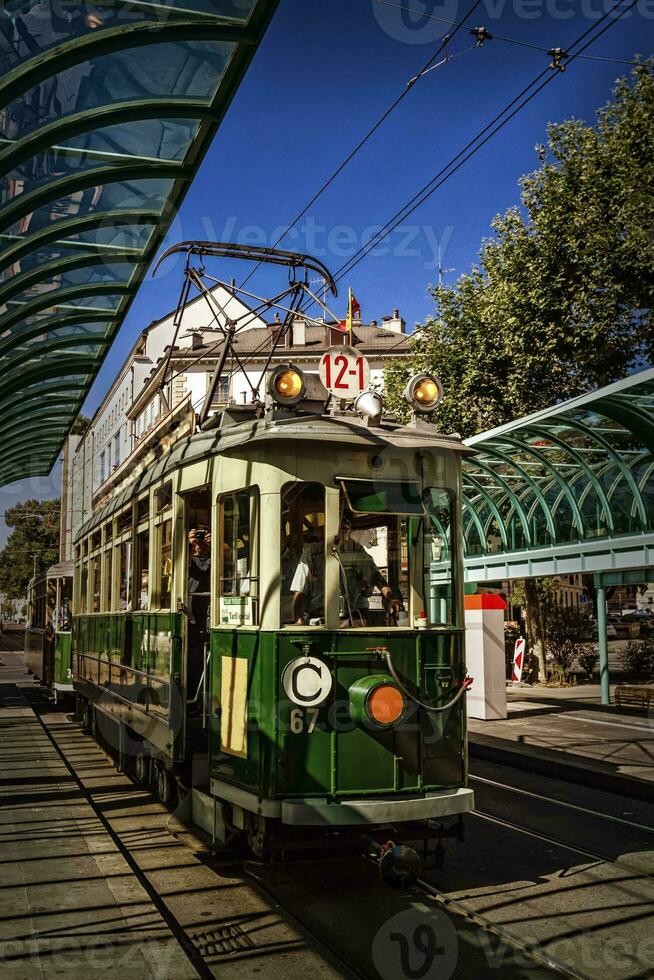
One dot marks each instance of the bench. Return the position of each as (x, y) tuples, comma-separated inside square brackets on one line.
[(641, 696)]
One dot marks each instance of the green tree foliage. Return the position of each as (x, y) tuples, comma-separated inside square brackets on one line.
[(637, 660), (561, 299), (79, 426), (36, 533)]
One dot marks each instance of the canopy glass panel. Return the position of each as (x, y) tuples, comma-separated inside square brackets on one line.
[(106, 112), (580, 471)]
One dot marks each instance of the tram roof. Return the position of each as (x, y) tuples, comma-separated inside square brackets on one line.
[(567, 489), (339, 431), (106, 113)]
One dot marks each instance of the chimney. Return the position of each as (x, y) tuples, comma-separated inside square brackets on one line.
[(395, 322), (192, 338), (298, 332)]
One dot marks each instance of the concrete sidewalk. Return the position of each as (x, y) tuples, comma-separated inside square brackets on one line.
[(568, 733)]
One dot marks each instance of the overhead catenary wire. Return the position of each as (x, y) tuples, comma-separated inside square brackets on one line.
[(475, 144), (496, 37), (373, 129)]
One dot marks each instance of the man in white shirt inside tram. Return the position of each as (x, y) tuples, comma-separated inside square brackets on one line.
[(358, 575)]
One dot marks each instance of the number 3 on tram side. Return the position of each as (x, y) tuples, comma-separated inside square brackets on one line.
[(280, 600)]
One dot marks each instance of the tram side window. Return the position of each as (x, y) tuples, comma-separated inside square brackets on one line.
[(438, 564), (164, 497), (165, 563), (96, 583), (302, 560), (83, 587), (109, 579), (238, 574), (125, 576), (142, 569)]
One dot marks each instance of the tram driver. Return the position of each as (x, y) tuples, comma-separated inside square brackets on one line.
[(359, 577)]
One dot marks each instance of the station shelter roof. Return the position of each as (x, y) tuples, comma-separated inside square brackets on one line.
[(106, 112), (568, 489)]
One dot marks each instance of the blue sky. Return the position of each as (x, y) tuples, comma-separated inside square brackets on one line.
[(323, 74)]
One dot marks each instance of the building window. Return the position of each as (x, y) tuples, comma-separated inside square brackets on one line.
[(117, 449), (102, 469)]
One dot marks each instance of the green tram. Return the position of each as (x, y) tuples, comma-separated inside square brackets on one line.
[(47, 644), (269, 622)]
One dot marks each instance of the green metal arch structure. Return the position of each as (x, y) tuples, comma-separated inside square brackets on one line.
[(89, 190), (587, 466)]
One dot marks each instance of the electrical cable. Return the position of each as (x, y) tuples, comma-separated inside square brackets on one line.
[(384, 116), (474, 145), (496, 37)]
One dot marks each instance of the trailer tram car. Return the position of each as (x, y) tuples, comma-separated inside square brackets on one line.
[(269, 624), (47, 645)]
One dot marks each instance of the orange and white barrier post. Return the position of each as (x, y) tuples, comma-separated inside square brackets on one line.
[(484, 620)]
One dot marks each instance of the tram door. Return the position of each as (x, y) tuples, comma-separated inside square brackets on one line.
[(198, 592)]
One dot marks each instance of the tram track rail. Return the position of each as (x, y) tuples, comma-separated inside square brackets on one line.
[(636, 873), (488, 926), (460, 911), (596, 814), (252, 869)]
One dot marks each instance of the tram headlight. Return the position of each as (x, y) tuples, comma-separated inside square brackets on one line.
[(376, 701), (423, 392), (369, 405), (286, 385)]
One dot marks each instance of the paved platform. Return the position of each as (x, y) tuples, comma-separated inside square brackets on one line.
[(72, 906), (569, 733), (69, 903)]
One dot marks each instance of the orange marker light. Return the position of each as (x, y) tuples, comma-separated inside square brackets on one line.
[(385, 705)]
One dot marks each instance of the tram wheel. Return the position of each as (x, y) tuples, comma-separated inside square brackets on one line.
[(164, 785), (142, 767)]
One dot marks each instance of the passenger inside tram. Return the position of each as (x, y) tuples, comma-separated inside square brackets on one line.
[(371, 551), (365, 592)]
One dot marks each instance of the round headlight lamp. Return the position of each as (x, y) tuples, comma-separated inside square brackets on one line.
[(423, 393), (286, 385)]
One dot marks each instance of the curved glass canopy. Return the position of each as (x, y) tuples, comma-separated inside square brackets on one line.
[(106, 112), (578, 474)]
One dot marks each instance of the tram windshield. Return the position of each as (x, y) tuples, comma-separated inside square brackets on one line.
[(373, 552), (384, 528)]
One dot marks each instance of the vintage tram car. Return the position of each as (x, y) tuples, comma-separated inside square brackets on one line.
[(47, 645), (269, 620)]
